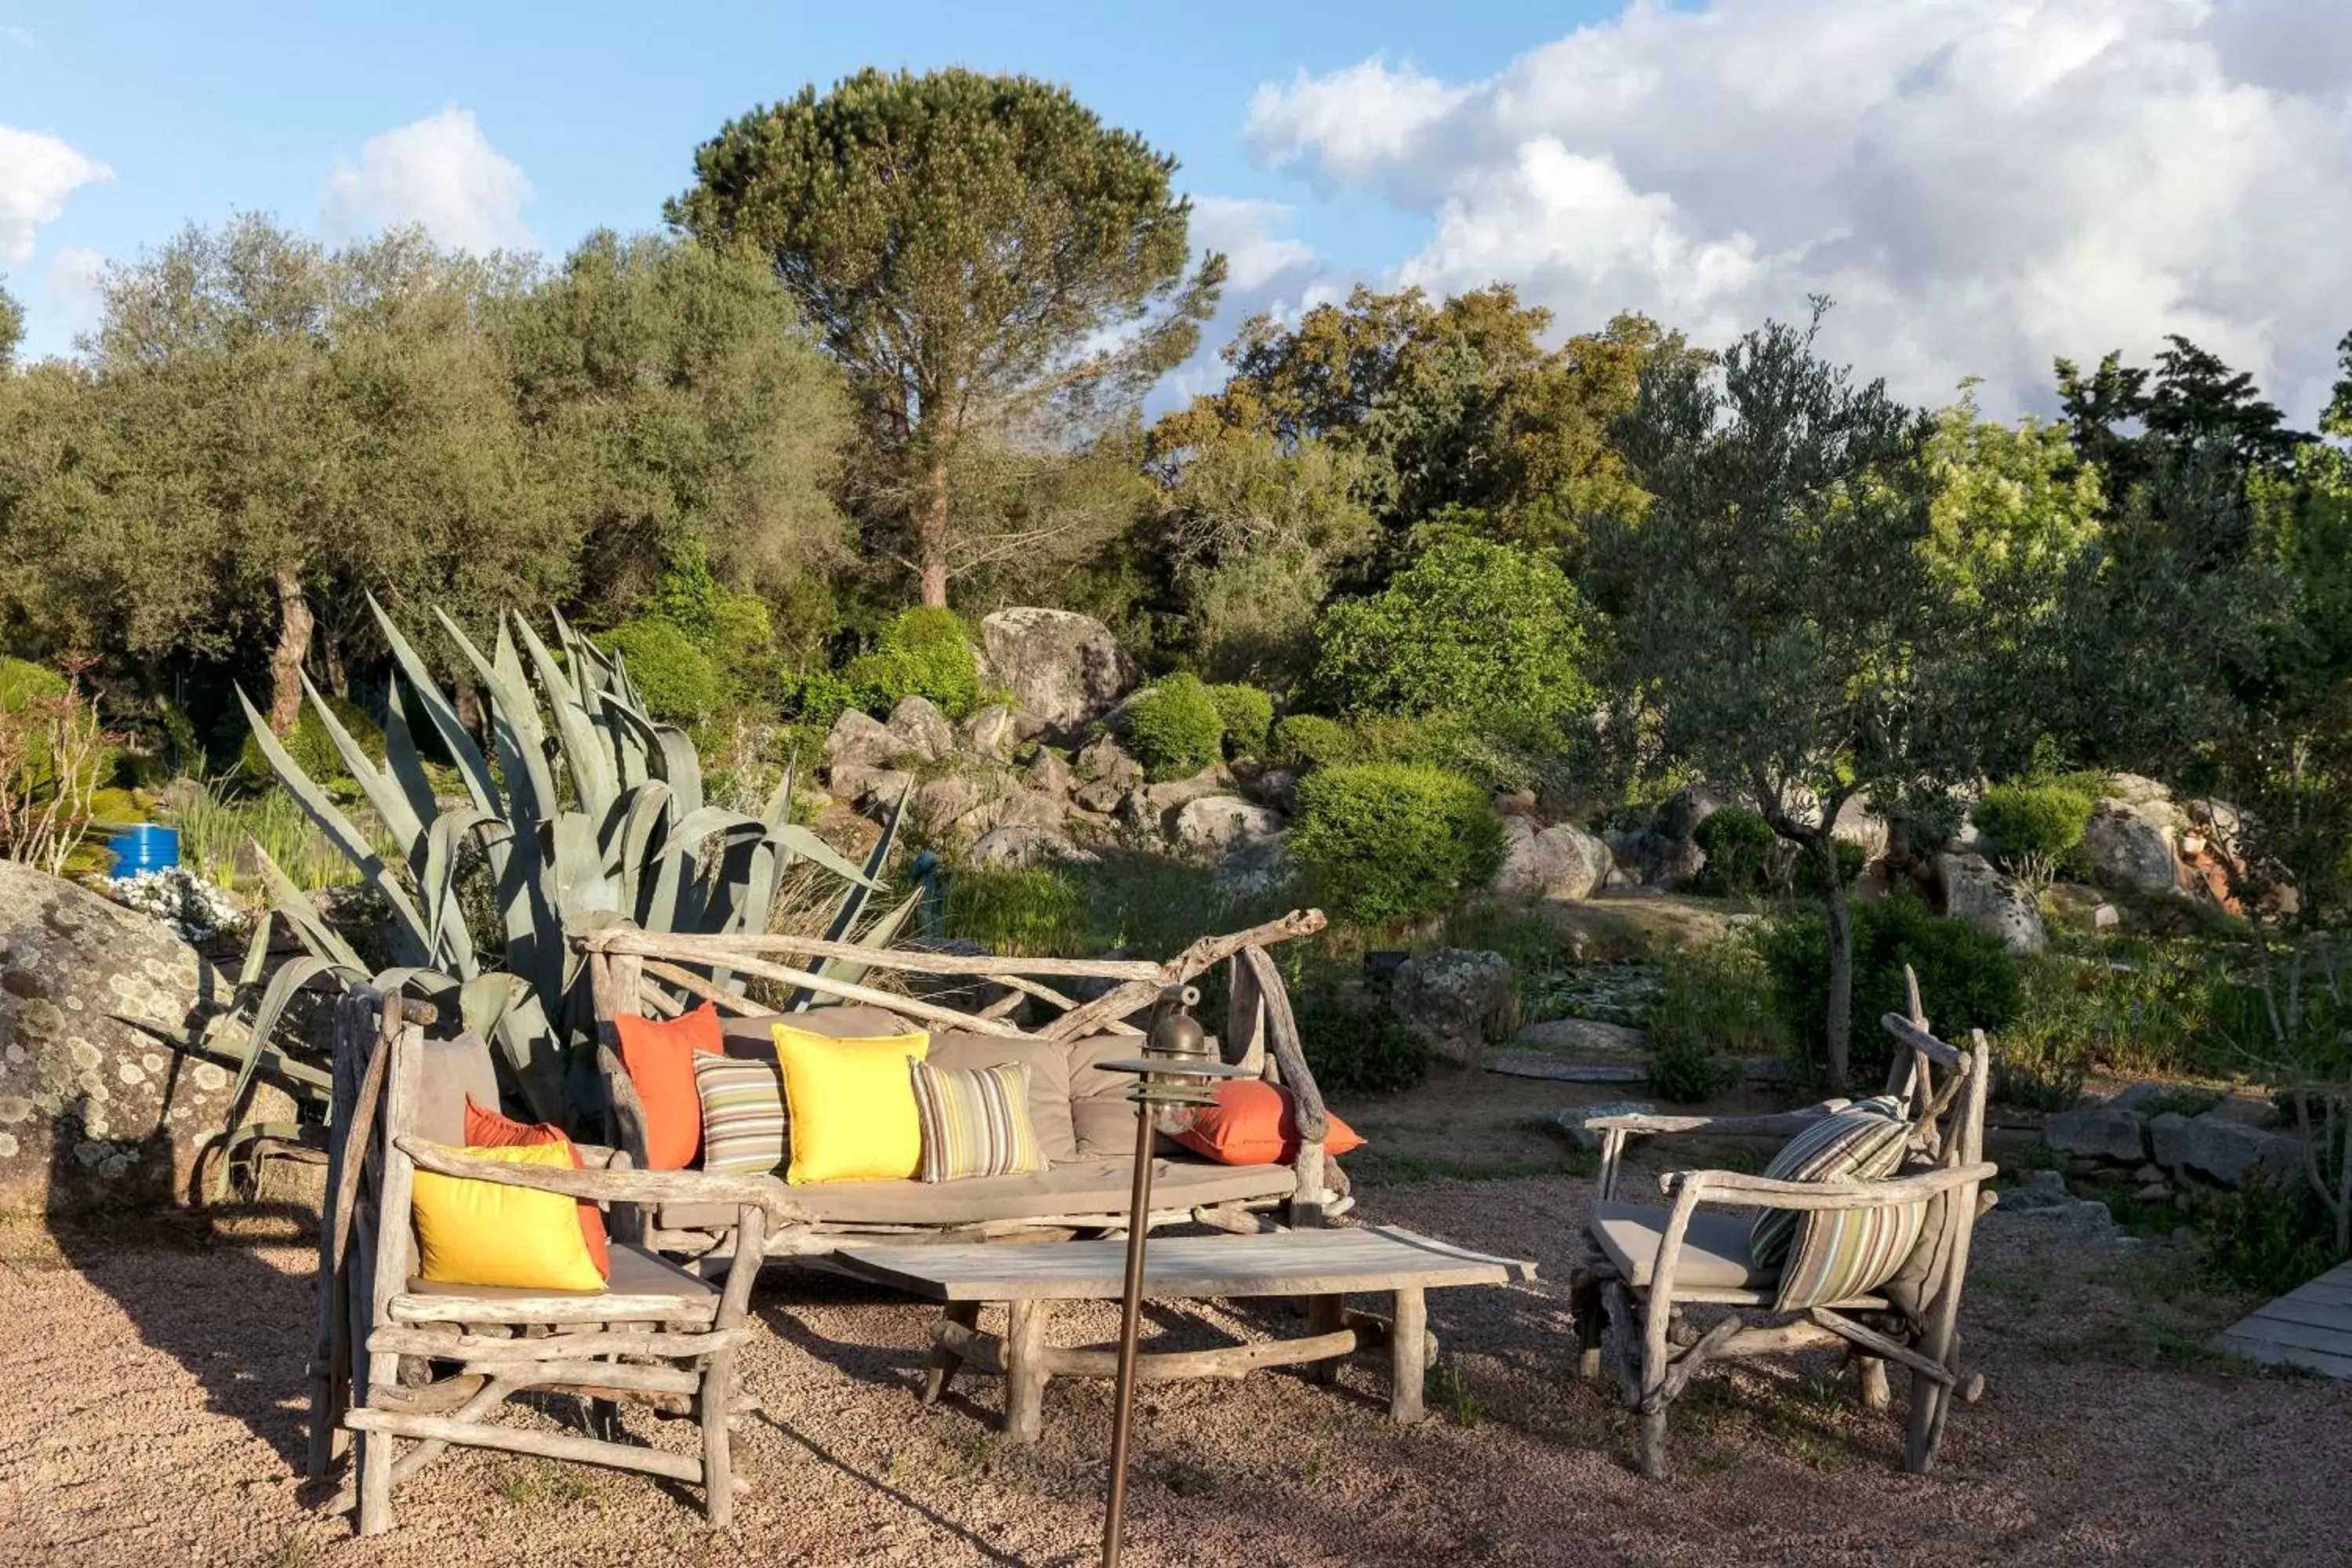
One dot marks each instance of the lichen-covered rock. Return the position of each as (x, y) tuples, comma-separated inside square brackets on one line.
[(2130, 845), (1018, 845), (2222, 1150), (1214, 825), (867, 788), (1047, 774), (991, 734), (1444, 996), (1062, 668), (858, 740), (92, 1109), (921, 729), (2111, 1132), (1975, 892), (1558, 862), (1259, 866)]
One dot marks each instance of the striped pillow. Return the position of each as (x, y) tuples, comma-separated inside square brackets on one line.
[(742, 1115), (1842, 1253), (975, 1122), (1861, 1143)]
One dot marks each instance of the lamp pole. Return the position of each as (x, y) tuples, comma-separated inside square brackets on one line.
[(1173, 1079)]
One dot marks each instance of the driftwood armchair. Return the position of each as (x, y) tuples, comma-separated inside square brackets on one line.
[(1086, 1188), (408, 1361), (1646, 1264)]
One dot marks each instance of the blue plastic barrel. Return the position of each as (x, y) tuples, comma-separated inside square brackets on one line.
[(143, 847)]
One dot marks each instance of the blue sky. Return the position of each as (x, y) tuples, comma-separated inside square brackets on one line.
[(1981, 186)]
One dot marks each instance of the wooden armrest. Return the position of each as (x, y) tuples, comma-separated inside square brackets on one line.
[(762, 1193), (1767, 1192), (1780, 1124)]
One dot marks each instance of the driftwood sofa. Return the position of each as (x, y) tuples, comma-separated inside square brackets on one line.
[(1081, 1113)]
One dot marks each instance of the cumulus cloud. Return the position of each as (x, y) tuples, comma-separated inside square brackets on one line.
[(440, 172), (37, 173), (1243, 229), (1982, 184), (75, 274)]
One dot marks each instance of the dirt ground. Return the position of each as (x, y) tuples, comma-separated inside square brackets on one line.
[(152, 1390)]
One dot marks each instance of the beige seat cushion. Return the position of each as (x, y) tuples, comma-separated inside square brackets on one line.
[(1714, 1252), (1049, 1081), (1082, 1187), (751, 1038), (636, 1272), (447, 1072)]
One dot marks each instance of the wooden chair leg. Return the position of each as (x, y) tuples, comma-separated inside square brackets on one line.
[(375, 1482), (715, 1405), (944, 1361)]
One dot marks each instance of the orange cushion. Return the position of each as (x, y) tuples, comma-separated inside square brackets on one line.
[(488, 1130), (658, 1055), (1257, 1123)]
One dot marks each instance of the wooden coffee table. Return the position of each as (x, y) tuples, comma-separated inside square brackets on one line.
[(1322, 1265)]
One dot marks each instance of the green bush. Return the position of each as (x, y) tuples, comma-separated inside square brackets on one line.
[(1805, 880), (310, 746), (1305, 741), (2032, 824), (1689, 1073), (1968, 979), (1353, 1042), (743, 648), (1247, 714), (922, 653), (23, 681), (1388, 841), (1473, 627), (675, 677), (1739, 844), (1174, 727), (1717, 995), (816, 700), (1033, 911), (2270, 1238)]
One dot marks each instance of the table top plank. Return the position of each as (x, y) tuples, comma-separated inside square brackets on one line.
[(1281, 1263)]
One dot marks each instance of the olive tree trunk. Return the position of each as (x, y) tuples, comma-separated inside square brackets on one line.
[(294, 624), (1838, 1031)]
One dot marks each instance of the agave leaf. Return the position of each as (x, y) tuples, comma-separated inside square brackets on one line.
[(390, 801), (446, 842), (779, 809), (485, 1000), (402, 760), (581, 881), (293, 906), (514, 725), (338, 829), (807, 845), (879, 936), (437, 708), (853, 902), (291, 976), (592, 772), (527, 1041), (643, 811)]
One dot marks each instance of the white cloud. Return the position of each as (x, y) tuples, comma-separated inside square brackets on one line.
[(75, 274), (1982, 184), (1242, 229), (440, 172), (37, 173)]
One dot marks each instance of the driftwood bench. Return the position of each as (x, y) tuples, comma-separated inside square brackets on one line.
[(1322, 1265)]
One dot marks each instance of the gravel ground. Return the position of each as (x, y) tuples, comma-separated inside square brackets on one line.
[(150, 1410)]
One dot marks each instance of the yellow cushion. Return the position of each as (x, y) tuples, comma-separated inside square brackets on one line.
[(485, 1233), (851, 1106)]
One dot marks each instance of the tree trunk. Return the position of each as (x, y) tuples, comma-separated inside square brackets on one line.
[(932, 536), (294, 623), (1839, 1033)]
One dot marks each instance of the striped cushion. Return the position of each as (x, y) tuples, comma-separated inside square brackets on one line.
[(742, 1115), (975, 1122), (1842, 1253), (1859, 1142)]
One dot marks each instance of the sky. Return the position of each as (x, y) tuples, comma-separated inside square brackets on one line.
[(1981, 185)]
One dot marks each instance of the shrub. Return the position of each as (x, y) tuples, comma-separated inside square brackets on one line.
[(1353, 1042), (1305, 741), (1739, 844), (676, 679), (23, 682), (1717, 995), (1805, 879), (1247, 715), (1968, 979), (2270, 1238), (1032, 911), (1174, 727), (310, 746), (1474, 627), (1388, 841), (922, 653), (2033, 825), (1688, 1073), (816, 700)]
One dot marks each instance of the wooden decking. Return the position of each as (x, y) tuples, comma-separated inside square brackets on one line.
[(2311, 1327)]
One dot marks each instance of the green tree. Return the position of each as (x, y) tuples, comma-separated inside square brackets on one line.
[(679, 412), (12, 325), (1473, 630), (985, 260), (1785, 626)]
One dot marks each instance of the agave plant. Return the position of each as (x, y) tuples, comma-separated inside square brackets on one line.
[(582, 816)]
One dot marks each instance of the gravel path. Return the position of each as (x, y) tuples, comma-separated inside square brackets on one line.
[(150, 1391)]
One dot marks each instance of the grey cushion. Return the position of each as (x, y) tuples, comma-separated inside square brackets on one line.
[(1715, 1254), (754, 1037), (636, 1272), (1049, 1081), (448, 1071), (1087, 1186)]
